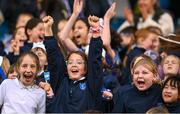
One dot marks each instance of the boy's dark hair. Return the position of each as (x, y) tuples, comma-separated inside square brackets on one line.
[(115, 40), (83, 20), (128, 30), (174, 82), (31, 24)]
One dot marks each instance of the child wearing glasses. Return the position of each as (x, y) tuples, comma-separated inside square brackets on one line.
[(79, 89)]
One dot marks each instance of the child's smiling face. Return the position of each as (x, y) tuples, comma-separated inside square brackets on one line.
[(170, 93)]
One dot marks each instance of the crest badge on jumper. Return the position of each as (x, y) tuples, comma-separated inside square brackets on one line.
[(82, 86)]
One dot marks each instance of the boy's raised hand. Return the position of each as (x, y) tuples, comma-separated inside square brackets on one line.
[(95, 26), (110, 12), (93, 21), (107, 17), (77, 6), (14, 47), (48, 21), (128, 15)]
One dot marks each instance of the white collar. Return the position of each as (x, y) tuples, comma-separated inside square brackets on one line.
[(22, 86), (82, 78)]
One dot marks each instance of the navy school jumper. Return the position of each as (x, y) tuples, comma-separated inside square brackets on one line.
[(131, 100), (82, 95)]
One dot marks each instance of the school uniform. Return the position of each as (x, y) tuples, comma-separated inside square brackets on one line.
[(56, 62), (122, 52), (54, 56), (131, 100), (173, 107), (79, 96), (17, 98), (111, 84)]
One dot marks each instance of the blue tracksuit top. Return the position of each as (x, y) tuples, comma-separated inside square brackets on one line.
[(82, 95)]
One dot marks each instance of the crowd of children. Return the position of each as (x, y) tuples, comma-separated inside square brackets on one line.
[(86, 67)]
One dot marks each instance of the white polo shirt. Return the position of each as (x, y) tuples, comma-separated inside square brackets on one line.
[(17, 98)]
